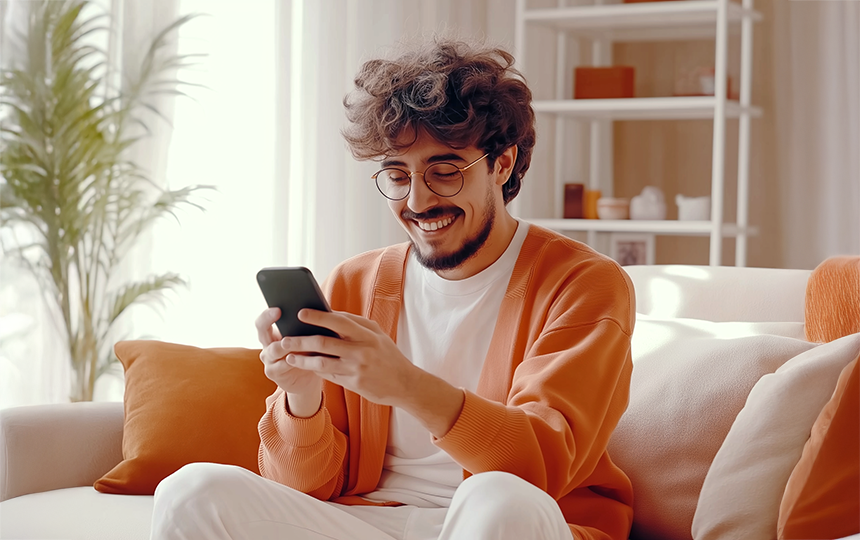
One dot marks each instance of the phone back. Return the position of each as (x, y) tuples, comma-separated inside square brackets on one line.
[(292, 289)]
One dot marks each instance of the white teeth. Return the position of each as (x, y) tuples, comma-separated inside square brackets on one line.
[(436, 225)]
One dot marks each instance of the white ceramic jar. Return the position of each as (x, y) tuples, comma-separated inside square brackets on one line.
[(693, 208), (613, 208)]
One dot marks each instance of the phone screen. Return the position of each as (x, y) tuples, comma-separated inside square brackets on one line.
[(292, 289)]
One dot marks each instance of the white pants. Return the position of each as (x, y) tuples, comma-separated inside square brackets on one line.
[(211, 502)]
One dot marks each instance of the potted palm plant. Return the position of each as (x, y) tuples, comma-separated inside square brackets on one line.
[(67, 183)]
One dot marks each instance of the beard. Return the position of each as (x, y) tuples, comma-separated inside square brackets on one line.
[(470, 247)]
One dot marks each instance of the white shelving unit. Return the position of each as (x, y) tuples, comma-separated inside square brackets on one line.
[(603, 24)]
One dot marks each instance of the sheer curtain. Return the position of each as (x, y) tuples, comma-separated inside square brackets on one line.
[(34, 363), (223, 137), (816, 74)]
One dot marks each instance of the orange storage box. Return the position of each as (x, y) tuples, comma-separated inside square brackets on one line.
[(603, 82)]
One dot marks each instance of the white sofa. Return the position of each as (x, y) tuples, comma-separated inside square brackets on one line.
[(50, 455)]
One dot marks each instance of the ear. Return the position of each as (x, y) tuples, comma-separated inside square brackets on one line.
[(505, 165)]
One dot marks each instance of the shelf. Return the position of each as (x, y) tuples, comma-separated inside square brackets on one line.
[(603, 23), (657, 108), (665, 227), (652, 21)]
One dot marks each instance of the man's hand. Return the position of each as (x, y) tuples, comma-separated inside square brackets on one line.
[(367, 362), (364, 359), (303, 388)]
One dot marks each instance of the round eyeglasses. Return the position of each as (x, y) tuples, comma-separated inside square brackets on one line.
[(443, 179)]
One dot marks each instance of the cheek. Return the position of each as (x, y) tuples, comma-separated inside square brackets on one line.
[(396, 207), (475, 201)]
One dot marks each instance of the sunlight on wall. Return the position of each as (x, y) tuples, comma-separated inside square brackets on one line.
[(224, 138)]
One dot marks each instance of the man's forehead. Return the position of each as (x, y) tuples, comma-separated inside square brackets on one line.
[(429, 158), (423, 148)]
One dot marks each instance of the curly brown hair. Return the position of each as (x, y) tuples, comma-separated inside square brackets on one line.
[(460, 93)]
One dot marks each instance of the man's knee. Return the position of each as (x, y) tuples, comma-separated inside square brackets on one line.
[(198, 482), (500, 505), (502, 496)]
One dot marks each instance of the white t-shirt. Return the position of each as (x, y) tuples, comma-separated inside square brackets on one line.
[(445, 328)]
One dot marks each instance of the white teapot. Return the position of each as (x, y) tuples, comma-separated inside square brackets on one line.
[(693, 208), (650, 204)]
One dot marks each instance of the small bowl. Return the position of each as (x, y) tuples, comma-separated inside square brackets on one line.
[(613, 208)]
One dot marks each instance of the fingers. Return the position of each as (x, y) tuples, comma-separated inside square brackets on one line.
[(266, 333), (351, 328), (303, 345), (323, 366), (273, 352), (361, 321), (310, 345), (343, 323)]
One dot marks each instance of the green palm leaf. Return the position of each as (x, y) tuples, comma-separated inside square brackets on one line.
[(139, 292), (65, 174)]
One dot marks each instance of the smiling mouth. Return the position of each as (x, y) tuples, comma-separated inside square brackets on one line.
[(430, 226)]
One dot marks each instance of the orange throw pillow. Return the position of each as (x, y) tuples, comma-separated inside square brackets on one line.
[(822, 497), (833, 299), (183, 405)]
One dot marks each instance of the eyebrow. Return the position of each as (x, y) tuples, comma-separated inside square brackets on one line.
[(432, 159)]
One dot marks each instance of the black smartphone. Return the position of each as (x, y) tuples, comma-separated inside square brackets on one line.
[(292, 289)]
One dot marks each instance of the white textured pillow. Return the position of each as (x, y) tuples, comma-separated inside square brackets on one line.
[(742, 491), (690, 379)]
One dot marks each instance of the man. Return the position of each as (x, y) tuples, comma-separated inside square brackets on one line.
[(480, 369)]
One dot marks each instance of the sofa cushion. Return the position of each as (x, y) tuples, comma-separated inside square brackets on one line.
[(79, 513), (182, 405), (822, 497), (741, 494), (690, 379)]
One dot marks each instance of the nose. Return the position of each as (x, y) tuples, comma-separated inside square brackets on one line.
[(420, 197)]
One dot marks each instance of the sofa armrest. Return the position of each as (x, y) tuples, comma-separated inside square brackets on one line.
[(47, 447)]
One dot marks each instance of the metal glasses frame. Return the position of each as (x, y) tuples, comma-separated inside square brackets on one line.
[(375, 178)]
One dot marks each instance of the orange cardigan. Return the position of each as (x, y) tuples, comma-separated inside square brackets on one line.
[(554, 385)]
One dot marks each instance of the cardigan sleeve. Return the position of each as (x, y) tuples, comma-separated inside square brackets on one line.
[(306, 454), (313, 454), (567, 394)]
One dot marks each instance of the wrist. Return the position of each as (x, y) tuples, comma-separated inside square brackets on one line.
[(434, 402), (304, 404), (410, 386)]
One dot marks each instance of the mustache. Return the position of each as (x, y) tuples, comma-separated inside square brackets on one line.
[(433, 213)]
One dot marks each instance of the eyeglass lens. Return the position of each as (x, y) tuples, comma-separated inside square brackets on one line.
[(443, 179)]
